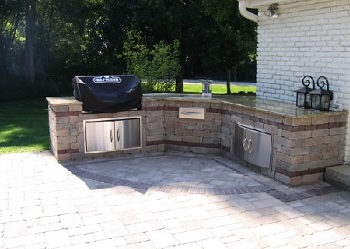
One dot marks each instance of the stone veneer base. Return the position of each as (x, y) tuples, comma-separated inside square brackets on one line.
[(304, 141)]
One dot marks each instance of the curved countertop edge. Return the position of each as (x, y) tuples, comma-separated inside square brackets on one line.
[(251, 103)]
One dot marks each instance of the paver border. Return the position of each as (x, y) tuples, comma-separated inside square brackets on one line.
[(144, 187)]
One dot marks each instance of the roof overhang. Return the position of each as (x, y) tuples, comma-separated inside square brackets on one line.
[(256, 4), (244, 5)]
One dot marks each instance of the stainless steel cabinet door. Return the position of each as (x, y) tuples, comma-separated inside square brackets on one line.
[(258, 148), (253, 145), (127, 133), (99, 136)]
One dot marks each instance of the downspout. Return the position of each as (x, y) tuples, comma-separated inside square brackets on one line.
[(244, 12)]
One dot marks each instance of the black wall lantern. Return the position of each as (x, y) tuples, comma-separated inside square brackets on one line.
[(321, 98), (303, 96)]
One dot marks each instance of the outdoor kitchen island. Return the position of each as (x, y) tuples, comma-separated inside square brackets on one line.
[(303, 142)]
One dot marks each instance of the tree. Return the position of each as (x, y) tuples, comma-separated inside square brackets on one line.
[(11, 14), (181, 20), (157, 65), (237, 36), (29, 50), (60, 39)]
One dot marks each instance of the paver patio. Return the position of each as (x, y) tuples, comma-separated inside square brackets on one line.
[(168, 200)]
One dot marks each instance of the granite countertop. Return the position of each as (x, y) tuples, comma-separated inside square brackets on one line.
[(252, 102)]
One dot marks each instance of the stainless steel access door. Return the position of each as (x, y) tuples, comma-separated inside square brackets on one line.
[(99, 136), (253, 145), (127, 133), (258, 148)]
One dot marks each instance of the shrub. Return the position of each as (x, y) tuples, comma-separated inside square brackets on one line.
[(156, 66)]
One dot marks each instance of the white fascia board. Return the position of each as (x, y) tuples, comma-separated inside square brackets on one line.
[(256, 4)]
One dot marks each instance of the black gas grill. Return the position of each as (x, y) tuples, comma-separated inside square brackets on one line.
[(112, 93)]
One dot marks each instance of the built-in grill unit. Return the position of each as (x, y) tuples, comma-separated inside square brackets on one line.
[(111, 93)]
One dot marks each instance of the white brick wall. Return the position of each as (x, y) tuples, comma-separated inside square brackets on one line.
[(309, 38)]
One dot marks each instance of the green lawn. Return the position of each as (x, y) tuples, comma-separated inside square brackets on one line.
[(24, 126), (218, 89)]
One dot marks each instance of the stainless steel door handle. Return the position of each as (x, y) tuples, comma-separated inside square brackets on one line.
[(245, 144), (111, 135), (250, 146), (118, 135), (190, 113)]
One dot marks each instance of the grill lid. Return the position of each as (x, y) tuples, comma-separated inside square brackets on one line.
[(108, 93)]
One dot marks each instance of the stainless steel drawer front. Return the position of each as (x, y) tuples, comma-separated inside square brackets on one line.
[(191, 112)]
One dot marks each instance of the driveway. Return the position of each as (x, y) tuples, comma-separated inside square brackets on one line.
[(166, 200), (233, 83)]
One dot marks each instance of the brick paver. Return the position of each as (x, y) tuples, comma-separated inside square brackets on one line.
[(171, 200)]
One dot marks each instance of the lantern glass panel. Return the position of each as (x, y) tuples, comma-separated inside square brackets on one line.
[(307, 101), (300, 100), (325, 102), (316, 101)]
